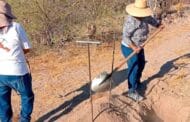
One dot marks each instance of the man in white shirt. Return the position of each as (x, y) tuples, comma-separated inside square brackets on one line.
[(14, 72)]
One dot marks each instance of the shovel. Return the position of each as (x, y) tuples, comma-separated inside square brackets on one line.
[(101, 83)]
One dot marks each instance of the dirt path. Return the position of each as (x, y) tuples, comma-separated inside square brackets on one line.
[(167, 78), (62, 93)]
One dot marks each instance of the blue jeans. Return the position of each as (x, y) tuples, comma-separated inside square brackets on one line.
[(23, 85), (136, 65)]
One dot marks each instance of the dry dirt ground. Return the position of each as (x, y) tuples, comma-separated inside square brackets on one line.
[(60, 82)]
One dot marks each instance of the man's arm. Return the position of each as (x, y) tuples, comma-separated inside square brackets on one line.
[(26, 51), (128, 30), (23, 38), (153, 21), (135, 48)]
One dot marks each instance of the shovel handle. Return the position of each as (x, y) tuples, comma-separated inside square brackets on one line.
[(133, 53), (125, 60), (153, 35)]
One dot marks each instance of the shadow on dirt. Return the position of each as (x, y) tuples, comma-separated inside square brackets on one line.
[(150, 116), (165, 69), (118, 77), (69, 105)]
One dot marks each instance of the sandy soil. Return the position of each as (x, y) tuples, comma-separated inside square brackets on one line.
[(60, 82)]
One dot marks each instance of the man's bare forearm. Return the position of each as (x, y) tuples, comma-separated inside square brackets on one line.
[(26, 50)]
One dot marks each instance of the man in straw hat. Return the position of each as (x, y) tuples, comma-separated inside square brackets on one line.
[(14, 73), (135, 33)]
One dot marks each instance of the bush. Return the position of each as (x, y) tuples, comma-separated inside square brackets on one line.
[(50, 21)]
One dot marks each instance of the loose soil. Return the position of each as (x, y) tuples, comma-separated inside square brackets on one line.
[(61, 82)]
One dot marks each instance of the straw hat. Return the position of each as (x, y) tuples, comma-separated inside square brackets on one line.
[(139, 9), (5, 13)]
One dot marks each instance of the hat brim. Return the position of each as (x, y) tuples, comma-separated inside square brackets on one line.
[(138, 12), (3, 20)]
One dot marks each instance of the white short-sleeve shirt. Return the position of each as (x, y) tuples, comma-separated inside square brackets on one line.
[(12, 61)]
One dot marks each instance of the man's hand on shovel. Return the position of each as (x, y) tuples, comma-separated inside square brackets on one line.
[(135, 48)]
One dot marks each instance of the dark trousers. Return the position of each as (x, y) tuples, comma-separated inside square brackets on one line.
[(136, 65)]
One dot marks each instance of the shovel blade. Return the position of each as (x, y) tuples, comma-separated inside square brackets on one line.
[(101, 83)]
